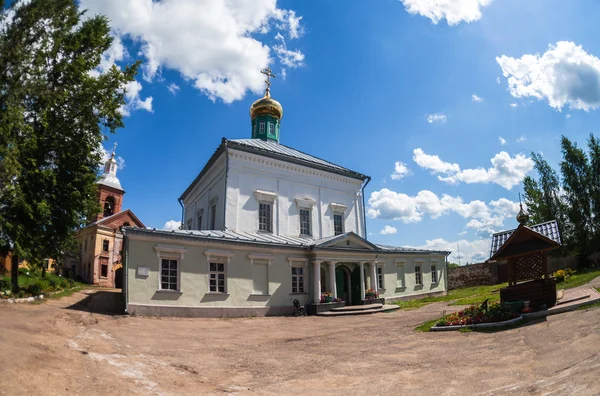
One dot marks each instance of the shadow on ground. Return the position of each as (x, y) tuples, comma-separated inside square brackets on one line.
[(101, 302)]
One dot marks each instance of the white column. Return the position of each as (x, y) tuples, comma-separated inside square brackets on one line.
[(373, 275), (316, 281), (362, 280), (332, 285)]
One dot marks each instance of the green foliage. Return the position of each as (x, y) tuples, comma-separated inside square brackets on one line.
[(452, 265), (56, 108), (464, 296), (425, 327), (573, 198), (579, 278)]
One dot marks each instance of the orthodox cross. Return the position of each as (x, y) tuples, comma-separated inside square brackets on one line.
[(114, 149), (268, 72)]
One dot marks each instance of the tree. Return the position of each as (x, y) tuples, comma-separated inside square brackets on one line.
[(55, 110)]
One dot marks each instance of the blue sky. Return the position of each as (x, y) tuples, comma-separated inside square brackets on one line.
[(441, 89)]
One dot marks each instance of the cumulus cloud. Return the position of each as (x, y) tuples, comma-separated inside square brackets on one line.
[(219, 51), (400, 170), (470, 251), (484, 218), (106, 155), (505, 171), (133, 101), (172, 225), (388, 230), (521, 138), (173, 88), (501, 140), (476, 98), (288, 58), (564, 75), (454, 11), (436, 118)]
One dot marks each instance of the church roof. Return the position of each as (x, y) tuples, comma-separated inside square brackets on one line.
[(272, 240), (548, 229), (276, 151), (110, 180)]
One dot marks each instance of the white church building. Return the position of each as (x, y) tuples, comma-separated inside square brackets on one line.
[(265, 224)]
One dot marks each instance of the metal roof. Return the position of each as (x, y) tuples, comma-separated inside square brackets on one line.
[(548, 229), (268, 239), (268, 147), (110, 180)]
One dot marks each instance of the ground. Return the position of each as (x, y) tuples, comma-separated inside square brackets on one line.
[(75, 345)]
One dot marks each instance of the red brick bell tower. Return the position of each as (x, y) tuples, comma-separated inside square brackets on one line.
[(110, 192)]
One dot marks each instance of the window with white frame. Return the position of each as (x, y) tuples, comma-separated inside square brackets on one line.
[(261, 130), (265, 217), (380, 278), (217, 277), (297, 279), (169, 278), (418, 275), (305, 228), (338, 224), (434, 274), (271, 128)]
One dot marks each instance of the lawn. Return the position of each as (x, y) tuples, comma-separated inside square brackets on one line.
[(31, 283), (478, 294)]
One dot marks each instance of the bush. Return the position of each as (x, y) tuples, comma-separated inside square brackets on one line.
[(560, 276), (5, 283), (35, 289)]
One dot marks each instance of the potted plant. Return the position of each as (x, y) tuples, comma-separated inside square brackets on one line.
[(371, 294), (326, 297)]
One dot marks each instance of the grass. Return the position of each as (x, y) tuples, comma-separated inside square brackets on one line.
[(32, 283), (465, 296), (579, 278), (425, 327)]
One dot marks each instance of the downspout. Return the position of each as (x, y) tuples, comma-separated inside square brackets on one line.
[(446, 273), (363, 208), (182, 212)]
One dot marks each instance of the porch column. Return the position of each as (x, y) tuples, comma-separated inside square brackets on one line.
[(316, 281), (373, 266), (362, 280), (332, 284)]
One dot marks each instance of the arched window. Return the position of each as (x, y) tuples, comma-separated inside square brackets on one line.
[(126, 224), (109, 206)]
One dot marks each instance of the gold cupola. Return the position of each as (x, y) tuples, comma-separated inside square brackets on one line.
[(266, 114)]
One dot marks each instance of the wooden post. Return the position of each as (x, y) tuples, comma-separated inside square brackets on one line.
[(14, 272), (510, 271), (545, 259)]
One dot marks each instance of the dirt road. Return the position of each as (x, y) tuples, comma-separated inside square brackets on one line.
[(76, 345)]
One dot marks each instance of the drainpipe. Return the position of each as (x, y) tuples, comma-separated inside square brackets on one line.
[(182, 212), (363, 208)]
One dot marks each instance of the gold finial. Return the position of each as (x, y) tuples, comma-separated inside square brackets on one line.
[(269, 73), (114, 150), (522, 216)]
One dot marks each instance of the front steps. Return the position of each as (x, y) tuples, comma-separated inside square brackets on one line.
[(359, 310)]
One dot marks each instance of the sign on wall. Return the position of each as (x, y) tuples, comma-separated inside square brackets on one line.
[(143, 271)]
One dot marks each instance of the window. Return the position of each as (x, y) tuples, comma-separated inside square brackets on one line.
[(434, 275), (105, 245), (103, 267), (265, 218), (338, 223), (380, 278), (297, 280), (168, 274), (109, 206), (400, 280), (271, 128), (189, 224), (261, 130), (305, 228), (418, 275), (217, 277), (213, 216), (200, 214)]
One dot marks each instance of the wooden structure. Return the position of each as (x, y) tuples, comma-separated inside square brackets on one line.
[(525, 250)]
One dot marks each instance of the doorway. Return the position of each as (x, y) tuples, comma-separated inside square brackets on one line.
[(343, 282), (119, 278)]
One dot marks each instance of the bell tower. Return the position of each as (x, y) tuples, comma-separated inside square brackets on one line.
[(110, 192), (266, 114)]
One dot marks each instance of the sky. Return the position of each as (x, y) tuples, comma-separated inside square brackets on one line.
[(440, 102)]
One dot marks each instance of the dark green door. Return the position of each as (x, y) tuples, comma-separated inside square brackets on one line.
[(340, 283), (355, 286)]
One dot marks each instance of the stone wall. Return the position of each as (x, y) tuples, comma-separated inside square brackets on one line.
[(472, 275)]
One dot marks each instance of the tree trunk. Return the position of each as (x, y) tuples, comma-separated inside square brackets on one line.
[(15, 273), (44, 268)]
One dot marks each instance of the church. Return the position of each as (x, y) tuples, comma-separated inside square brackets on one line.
[(265, 224)]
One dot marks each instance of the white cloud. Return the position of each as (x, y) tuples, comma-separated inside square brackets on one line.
[(454, 11), (484, 218), (521, 138), (400, 170), (433, 162), (215, 45), (106, 155), (436, 118), (568, 116), (388, 230), (470, 251), (465, 232), (288, 58), (564, 75), (476, 98), (173, 88), (498, 80), (133, 100), (513, 105), (172, 225), (506, 171), (501, 140)]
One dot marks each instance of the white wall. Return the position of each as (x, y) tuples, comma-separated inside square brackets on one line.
[(211, 186), (248, 173)]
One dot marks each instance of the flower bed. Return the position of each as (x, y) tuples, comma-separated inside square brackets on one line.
[(475, 315)]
